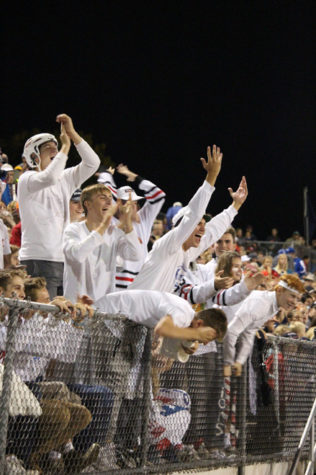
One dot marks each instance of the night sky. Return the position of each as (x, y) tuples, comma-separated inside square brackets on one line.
[(159, 81)]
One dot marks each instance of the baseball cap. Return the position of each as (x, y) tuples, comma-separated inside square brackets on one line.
[(290, 250), (76, 195), (124, 192), (7, 167)]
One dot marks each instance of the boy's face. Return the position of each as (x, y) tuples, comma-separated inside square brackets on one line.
[(15, 288)]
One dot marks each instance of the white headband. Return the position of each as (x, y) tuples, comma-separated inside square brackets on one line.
[(287, 287)]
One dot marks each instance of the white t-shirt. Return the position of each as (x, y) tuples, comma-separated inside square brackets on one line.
[(147, 307), (90, 259), (44, 203)]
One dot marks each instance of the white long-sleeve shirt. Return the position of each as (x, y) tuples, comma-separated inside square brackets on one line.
[(155, 197), (90, 259), (147, 307), (44, 203), (159, 269), (259, 307)]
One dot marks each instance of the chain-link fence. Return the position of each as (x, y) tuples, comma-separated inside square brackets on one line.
[(100, 397)]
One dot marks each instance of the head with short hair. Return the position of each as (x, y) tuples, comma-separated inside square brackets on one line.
[(90, 192), (227, 242), (12, 283), (214, 318), (36, 290), (288, 291)]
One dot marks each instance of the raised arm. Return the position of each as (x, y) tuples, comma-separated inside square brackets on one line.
[(90, 160)]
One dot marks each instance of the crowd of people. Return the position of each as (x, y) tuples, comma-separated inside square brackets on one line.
[(192, 278)]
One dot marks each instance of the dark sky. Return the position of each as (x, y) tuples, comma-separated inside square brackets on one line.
[(159, 81)]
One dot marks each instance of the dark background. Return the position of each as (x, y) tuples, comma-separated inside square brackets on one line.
[(159, 81)]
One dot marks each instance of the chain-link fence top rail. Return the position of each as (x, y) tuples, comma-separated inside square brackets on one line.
[(94, 398)]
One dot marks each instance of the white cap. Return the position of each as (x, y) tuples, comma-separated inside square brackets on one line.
[(124, 192), (7, 167), (245, 258)]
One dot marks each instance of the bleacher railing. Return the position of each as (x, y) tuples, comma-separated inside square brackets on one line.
[(101, 384)]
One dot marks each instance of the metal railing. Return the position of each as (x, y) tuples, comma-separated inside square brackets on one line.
[(308, 430), (291, 379)]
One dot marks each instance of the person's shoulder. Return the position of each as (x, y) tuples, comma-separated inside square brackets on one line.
[(75, 226)]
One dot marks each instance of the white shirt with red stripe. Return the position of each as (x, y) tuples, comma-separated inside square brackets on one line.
[(127, 270)]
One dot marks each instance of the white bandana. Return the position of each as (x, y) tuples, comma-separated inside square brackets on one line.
[(282, 283)]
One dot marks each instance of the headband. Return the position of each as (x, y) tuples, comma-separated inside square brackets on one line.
[(287, 287)]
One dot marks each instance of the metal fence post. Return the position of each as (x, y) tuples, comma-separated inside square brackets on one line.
[(146, 398), (6, 383), (243, 419)]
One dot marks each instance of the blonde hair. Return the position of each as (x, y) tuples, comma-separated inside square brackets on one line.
[(90, 191)]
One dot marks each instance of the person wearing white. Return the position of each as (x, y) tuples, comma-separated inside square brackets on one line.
[(5, 250), (174, 248), (259, 307), (92, 246), (143, 218), (169, 316), (44, 192)]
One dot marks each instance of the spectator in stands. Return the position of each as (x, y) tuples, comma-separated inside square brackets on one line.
[(282, 265), (171, 212), (274, 235), (170, 251), (8, 192), (44, 192), (16, 233), (92, 246), (252, 314), (75, 207), (295, 240), (60, 420), (143, 217)]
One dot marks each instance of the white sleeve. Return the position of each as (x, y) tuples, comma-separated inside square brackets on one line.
[(5, 239), (77, 249), (245, 345), (36, 181), (129, 246), (238, 325), (155, 199), (193, 215), (235, 294), (106, 178), (214, 229), (89, 164), (152, 193)]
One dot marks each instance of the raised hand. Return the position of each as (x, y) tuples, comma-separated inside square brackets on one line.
[(124, 170), (64, 139), (222, 282), (66, 121), (240, 195), (126, 214), (252, 281), (110, 212), (213, 164)]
